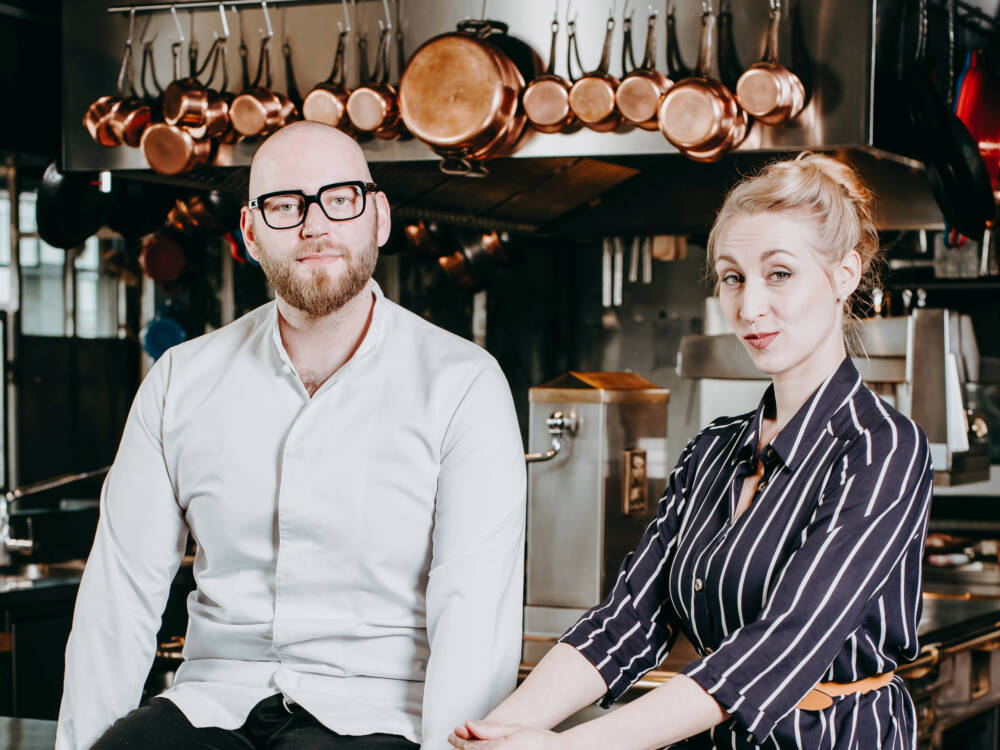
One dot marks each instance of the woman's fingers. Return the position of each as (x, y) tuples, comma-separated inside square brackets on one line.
[(490, 730), (462, 732)]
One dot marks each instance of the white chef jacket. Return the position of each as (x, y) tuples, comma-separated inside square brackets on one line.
[(360, 551)]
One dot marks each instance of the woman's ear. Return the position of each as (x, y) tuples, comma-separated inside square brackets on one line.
[(847, 274)]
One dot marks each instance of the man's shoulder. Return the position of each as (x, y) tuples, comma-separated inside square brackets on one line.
[(228, 336), (433, 342)]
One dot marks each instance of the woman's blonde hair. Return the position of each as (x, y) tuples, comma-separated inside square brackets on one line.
[(828, 192)]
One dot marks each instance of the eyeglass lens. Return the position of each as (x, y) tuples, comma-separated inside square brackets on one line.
[(338, 203)]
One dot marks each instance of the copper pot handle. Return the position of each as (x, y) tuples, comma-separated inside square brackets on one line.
[(649, 57), (606, 51), (149, 64), (573, 53), (771, 45), (365, 76), (675, 63), (291, 88), (628, 55), (337, 73), (706, 49), (550, 70)]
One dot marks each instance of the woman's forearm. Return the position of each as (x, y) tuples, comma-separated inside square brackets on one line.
[(672, 712), (561, 684)]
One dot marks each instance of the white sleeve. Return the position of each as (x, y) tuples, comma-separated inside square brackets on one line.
[(475, 586), (138, 547)]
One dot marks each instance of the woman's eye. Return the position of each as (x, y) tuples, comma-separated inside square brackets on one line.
[(780, 275), (731, 279)]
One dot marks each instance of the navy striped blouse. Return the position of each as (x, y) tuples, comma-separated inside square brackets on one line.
[(818, 580)]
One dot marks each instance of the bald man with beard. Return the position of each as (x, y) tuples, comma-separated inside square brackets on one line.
[(354, 480)]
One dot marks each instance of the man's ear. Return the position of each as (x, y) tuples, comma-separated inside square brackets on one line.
[(249, 233), (384, 219)]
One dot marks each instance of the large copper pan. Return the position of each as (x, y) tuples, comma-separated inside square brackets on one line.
[(460, 94), (767, 89), (173, 150), (699, 114), (639, 94), (546, 98), (121, 118), (592, 96)]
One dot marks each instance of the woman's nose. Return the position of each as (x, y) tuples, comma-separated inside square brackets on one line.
[(754, 302)]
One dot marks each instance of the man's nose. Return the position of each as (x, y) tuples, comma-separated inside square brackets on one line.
[(315, 222)]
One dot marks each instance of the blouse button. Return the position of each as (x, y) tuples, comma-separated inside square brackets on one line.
[(698, 584)]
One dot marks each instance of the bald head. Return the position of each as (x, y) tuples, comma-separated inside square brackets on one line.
[(306, 155)]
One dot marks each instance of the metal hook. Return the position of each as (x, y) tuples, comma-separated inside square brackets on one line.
[(575, 16), (267, 21), (706, 7), (346, 27), (388, 17), (177, 23), (131, 26), (482, 15), (775, 5), (225, 23), (627, 14)]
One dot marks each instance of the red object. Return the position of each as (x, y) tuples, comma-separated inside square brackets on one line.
[(977, 104), (162, 257)]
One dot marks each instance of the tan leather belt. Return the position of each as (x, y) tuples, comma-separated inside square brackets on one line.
[(822, 695)]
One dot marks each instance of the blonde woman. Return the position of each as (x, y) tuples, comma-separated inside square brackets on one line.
[(788, 543)]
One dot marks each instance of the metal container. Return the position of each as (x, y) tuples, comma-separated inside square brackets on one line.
[(591, 499)]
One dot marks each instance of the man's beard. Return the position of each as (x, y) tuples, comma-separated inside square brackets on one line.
[(318, 295)]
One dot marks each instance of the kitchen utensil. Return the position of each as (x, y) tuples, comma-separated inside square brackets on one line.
[(699, 115), (258, 110), (729, 63), (768, 90), (120, 118), (70, 207), (373, 107), (676, 69), (546, 98), (460, 93), (639, 94), (327, 102), (592, 96)]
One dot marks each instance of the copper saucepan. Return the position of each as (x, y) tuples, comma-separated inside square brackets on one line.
[(639, 94), (767, 89), (258, 110), (460, 94), (327, 102), (592, 96), (121, 118), (373, 107), (185, 100), (546, 98), (699, 115), (215, 122)]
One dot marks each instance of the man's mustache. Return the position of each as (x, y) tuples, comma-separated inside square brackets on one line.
[(320, 247)]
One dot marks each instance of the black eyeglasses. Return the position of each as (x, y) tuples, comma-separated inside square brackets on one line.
[(341, 201)]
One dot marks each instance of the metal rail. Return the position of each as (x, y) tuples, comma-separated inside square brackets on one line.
[(207, 5)]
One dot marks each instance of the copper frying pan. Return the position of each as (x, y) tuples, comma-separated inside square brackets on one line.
[(110, 120), (592, 96), (258, 110), (639, 94)]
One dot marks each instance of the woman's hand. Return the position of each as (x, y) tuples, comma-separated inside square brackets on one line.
[(489, 735)]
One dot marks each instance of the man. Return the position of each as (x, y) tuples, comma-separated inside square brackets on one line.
[(354, 480)]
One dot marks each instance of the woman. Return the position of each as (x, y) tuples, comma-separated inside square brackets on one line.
[(787, 546)]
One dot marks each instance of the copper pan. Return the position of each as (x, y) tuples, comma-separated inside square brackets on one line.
[(99, 120), (699, 114), (173, 150), (767, 89), (327, 102), (546, 98), (592, 96), (639, 94), (460, 94), (216, 122), (373, 107), (258, 110)]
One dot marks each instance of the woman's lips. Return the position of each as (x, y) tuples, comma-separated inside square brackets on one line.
[(760, 340)]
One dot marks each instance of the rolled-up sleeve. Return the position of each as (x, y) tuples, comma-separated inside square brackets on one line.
[(631, 631), (137, 549), (475, 583), (871, 513)]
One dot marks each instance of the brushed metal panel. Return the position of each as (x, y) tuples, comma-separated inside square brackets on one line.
[(565, 525)]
